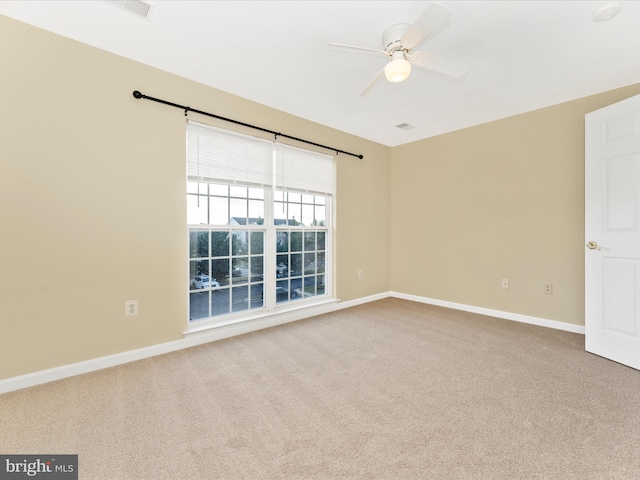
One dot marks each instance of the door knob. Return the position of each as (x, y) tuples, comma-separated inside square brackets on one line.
[(593, 245)]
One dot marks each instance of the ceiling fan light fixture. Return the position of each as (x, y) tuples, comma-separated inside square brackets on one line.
[(398, 69)]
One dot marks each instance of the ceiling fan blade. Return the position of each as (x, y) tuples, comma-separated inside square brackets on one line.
[(436, 63), (432, 19), (364, 49), (372, 83)]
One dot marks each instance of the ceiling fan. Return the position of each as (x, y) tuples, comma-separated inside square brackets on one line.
[(399, 42)]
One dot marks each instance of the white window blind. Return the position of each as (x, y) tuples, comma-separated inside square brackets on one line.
[(303, 170), (215, 155), (219, 155)]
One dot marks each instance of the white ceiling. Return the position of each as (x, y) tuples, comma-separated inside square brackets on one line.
[(522, 55)]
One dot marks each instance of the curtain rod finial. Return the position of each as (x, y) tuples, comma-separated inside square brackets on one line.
[(137, 94)]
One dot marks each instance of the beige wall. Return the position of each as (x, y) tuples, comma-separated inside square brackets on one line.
[(500, 200), (92, 205), (92, 210)]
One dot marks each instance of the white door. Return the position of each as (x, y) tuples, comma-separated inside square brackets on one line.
[(612, 229)]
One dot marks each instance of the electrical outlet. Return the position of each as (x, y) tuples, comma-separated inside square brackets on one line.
[(130, 308), (505, 283), (548, 289), (360, 274)]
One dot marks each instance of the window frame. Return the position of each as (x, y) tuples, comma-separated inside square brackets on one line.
[(271, 304)]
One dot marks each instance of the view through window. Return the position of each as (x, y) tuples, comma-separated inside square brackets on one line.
[(254, 244)]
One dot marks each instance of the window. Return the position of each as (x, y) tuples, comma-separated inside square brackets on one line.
[(301, 246), (259, 226)]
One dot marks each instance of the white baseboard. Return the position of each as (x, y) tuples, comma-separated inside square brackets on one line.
[(516, 317), (195, 338), (191, 339)]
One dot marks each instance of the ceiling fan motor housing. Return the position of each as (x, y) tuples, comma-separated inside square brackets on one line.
[(392, 35)]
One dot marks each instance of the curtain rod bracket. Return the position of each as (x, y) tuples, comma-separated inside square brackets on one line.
[(138, 94)]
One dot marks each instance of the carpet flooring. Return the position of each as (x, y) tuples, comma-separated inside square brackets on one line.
[(391, 389)]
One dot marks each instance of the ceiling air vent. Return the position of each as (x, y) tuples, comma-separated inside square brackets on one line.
[(405, 126), (137, 7)]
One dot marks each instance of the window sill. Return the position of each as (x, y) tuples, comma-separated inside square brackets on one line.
[(262, 319)]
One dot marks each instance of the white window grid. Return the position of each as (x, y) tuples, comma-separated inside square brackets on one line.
[(315, 279)]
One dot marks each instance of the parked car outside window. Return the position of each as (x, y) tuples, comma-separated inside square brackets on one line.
[(205, 281)]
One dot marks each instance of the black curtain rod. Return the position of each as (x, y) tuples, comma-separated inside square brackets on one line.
[(186, 109)]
